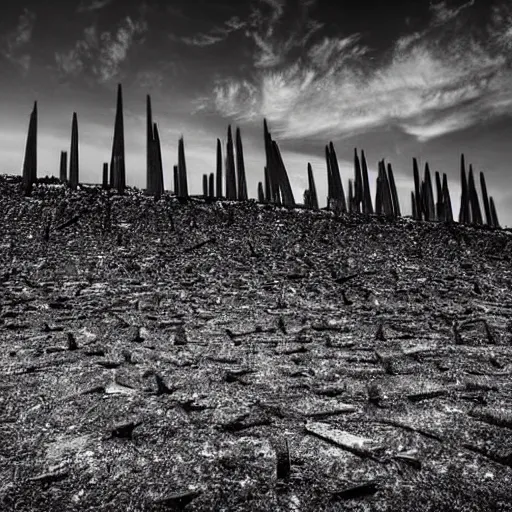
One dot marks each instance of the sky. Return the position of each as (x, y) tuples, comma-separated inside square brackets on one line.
[(420, 79)]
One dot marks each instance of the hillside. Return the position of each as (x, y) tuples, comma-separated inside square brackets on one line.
[(159, 356)]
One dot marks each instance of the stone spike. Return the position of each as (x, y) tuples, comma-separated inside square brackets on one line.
[(494, 214), (422, 200), (261, 195), (307, 199), (330, 185), (429, 194), (205, 185), (182, 169), (159, 168), (219, 170), (150, 168), (358, 185), (386, 191), (313, 197), (417, 189), (240, 168), (118, 145), (30, 161), (231, 192), (485, 197), (439, 197), (414, 205), (117, 174), (284, 182), (73, 154), (211, 186), (270, 165), (176, 176), (367, 198), (476, 212), (338, 184), (105, 176), (448, 213), (267, 186), (63, 174), (394, 193), (465, 213), (378, 194), (351, 202)]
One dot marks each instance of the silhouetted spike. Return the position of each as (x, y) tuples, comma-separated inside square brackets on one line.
[(240, 168), (270, 165), (379, 203), (150, 166), (73, 158), (176, 176), (439, 197), (267, 186), (159, 168), (358, 184), (219, 170), (423, 201), (476, 212), (485, 197), (414, 206), (378, 191), (211, 186), (367, 198), (494, 214), (465, 213), (205, 186), (261, 195), (429, 194), (284, 182), (118, 145), (338, 184), (417, 189), (105, 176), (387, 201), (394, 193), (313, 197), (448, 213), (182, 169), (307, 199), (30, 162), (63, 174), (330, 185), (117, 173), (231, 192), (351, 205)]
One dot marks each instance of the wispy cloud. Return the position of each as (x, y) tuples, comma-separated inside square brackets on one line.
[(217, 34), (102, 53), (271, 48), (15, 42), (422, 86), (93, 5)]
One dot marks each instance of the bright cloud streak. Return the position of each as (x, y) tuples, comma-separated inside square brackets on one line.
[(422, 89)]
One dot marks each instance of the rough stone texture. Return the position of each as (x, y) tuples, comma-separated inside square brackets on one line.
[(280, 315)]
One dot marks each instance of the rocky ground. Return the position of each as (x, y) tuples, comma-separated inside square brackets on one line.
[(229, 357)]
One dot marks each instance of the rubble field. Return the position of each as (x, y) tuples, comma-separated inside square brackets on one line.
[(224, 356)]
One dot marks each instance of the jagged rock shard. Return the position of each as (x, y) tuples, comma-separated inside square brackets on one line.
[(283, 462), (356, 491), (177, 501), (361, 446)]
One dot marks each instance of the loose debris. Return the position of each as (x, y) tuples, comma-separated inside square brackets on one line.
[(267, 333)]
